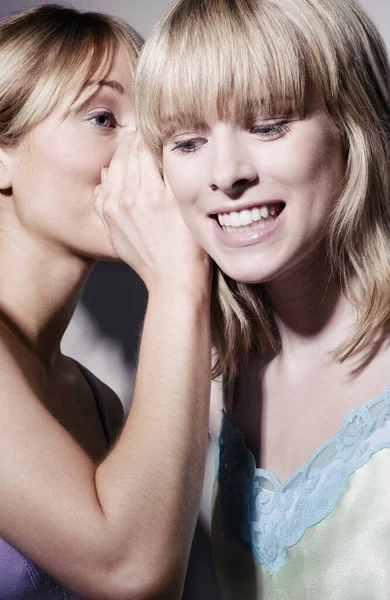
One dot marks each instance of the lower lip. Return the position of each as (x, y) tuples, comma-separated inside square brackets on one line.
[(251, 236)]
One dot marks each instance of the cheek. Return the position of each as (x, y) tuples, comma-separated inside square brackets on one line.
[(183, 183), (74, 156), (79, 163), (317, 164)]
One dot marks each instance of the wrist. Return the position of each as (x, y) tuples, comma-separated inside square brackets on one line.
[(194, 287), (183, 295)]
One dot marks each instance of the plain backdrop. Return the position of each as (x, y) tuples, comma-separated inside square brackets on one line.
[(105, 330), (142, 14)]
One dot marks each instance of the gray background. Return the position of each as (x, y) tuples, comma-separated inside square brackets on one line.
[(143, 14), (105, 330)]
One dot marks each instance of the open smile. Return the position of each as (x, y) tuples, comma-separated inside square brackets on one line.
[(248, 226)]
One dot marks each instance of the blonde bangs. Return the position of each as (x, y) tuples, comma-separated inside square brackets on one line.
[(90, 63), (234, 69), (236, 60), (51, 51), (245, 59)]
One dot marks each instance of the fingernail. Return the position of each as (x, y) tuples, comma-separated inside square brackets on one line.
[(103, 174)]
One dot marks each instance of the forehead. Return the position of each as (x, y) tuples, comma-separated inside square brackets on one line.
[(225, 84), (114, 73), (121, 70), (235, 59)]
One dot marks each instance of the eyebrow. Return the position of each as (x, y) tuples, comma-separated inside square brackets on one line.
[(79, 106), (115, 85)]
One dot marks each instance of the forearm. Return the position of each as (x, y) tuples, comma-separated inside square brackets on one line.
[(149, 486)]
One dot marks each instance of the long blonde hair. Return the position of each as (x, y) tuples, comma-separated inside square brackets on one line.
[(43, 50), (238, 56)]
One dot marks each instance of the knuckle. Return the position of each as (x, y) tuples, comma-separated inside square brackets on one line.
[(110, 211)]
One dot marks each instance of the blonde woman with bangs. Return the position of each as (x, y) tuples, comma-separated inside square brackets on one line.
[(270, 120), (90, 507)]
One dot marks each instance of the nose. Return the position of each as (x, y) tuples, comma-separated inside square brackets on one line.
[(232, 170)]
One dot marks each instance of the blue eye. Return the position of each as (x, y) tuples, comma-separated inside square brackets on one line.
[(104, 120)]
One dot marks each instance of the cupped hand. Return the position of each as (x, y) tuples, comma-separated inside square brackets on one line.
[(143, 221)]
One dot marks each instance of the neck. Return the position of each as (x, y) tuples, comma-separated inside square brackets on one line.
[(40, 287), (311, 310)]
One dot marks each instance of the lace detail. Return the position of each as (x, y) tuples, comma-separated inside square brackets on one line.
[(268, 517)]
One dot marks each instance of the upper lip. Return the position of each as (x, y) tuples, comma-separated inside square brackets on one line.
[(248, 206)]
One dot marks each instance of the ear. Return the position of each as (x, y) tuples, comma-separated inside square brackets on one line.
[(5, 173)]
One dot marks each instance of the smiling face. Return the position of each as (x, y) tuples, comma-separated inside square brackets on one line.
[(54, 171), (257, 196)]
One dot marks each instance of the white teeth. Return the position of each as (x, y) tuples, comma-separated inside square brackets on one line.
[(264, 212), (246, 217), (256, 214), (234, 219)]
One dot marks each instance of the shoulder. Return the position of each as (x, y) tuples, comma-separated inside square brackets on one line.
[(17, 362)]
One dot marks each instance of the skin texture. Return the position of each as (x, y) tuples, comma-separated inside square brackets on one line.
[(116, 526), (287, 404), (71, 149), (296, 161)]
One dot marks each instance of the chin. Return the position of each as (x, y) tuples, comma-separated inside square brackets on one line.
[(249, 276)]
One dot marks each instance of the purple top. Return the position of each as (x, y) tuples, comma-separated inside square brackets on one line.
[(20, 579)]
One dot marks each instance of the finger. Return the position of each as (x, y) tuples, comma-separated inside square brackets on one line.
[(149, 171), (116, 173), (99, 200), (133, 174), (99, 209), (99, 191)]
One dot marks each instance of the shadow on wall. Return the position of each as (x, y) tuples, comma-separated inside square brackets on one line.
[(104, 336), (105, 330)]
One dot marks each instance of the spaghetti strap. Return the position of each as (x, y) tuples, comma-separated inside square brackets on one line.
[(98, 399)]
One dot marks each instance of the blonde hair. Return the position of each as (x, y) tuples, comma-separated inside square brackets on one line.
[(43, 50), (239, 56)]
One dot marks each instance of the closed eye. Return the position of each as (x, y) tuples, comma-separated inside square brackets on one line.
[(271, 131), (189, 146)]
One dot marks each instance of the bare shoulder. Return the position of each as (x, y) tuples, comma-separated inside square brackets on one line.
[(15, 360)]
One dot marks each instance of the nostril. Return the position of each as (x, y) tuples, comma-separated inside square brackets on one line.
[(240, 183)]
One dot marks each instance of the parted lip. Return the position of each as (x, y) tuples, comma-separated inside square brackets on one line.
[(223, 210)]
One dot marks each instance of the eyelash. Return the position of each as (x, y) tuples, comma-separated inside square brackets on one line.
[(272, 131), (104, 113), (184, 146)]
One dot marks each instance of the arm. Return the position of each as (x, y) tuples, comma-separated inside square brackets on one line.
[(122, 530)]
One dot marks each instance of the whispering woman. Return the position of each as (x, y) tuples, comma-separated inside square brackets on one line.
[(90, 507)]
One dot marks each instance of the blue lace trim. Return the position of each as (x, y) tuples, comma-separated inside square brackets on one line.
[(267, 516)]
